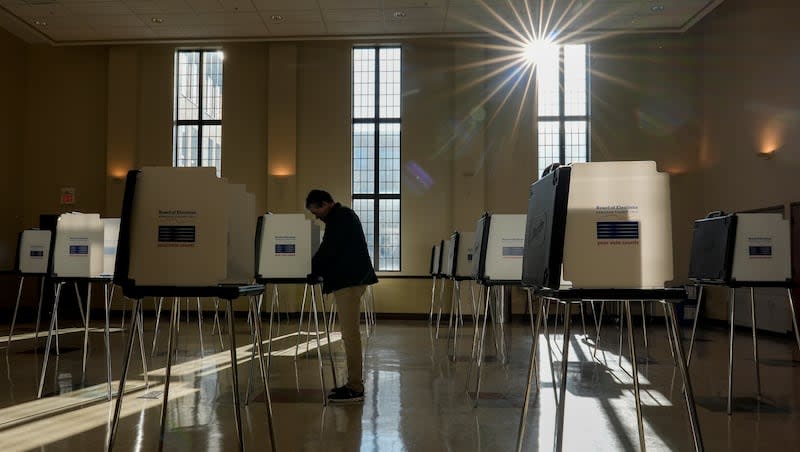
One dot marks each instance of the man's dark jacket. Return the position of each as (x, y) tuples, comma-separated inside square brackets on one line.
[(343, 259)]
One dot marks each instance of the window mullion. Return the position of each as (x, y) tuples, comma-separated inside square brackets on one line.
[(376, 137)]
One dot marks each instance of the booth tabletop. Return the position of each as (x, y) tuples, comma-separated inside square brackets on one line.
[(223, 291), (612, 294), (262, 280), (734, 284), (499, 282), (69, 279)]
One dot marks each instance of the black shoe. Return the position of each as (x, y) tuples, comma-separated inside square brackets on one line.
[(338, 390), (345, 395)]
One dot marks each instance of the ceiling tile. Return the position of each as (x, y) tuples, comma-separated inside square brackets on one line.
[(459, 26), (27, 11), (206, 6), (416, 14), (298, 29), (237, 5), (421, 26), (350, 4), (393, 4), (285, 4), (158, 6), (99, 9), (124, 33), (114, 20), (291, 16), (353, 15), (212, 31), (355, 28)]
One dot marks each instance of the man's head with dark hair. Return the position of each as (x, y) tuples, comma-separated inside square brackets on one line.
[(319, 203)]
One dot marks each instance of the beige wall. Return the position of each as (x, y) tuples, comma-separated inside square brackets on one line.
[(12, 113)]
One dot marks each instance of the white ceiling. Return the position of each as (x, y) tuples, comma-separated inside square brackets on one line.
[(102, 21)]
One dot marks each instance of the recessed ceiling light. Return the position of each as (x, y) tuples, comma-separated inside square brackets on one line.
[(657, 8), (40, 23), (157, 20), (397, 15), (276, 18)]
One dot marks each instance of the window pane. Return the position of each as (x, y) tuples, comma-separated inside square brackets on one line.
[(389, 98), (212, 85), (365, 209), (389, 153), (575, 141), (547, 81), (188, 87), (363, 158), (548, 144), (185, 146), (363, 83), (575, 80), (389, 230), (212, 147)]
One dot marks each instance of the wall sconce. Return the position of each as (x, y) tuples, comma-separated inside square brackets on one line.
[(766, 155)]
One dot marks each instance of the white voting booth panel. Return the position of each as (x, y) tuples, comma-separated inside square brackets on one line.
[(110, 239), (619, 226), (241, 234), (78, 250), (179, 228), (34, 251), (763, 247), (505, 247), (447, 261), (288, 242), (466, 242), (437, 258)]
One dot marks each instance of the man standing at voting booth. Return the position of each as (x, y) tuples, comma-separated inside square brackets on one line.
[(346, 269)]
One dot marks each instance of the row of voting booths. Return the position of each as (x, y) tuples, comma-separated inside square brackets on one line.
[(183, 233), (592, 232), (602, 232)]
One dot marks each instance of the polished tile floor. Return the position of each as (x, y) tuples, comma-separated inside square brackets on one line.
[(415, 396)]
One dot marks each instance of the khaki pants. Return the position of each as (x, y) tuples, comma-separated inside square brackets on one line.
[(348, 304)]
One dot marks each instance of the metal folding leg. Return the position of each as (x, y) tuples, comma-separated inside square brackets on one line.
[(86, 328), (635, 371), (319, 347), (254, 310), (794, 318), (532, 370), (53, 326), (755, 340), (433, 298), (480, 347), (107, 338), (158, 318), (730, 351), (559, 434), (455, 308), (258, 345), (39, 313), (121, 391), (694, 326), (300, 323), (16, 307), (687, 383), (441, 305), (235, 376)]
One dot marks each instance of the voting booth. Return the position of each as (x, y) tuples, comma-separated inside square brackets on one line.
[(464, 253), (447, 258), (78, 246), (742, 250), (32, 259), (602, 231), (177, 239), (436, 268), (33, 252), (287, 242), (499, 245), (603, 225)]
